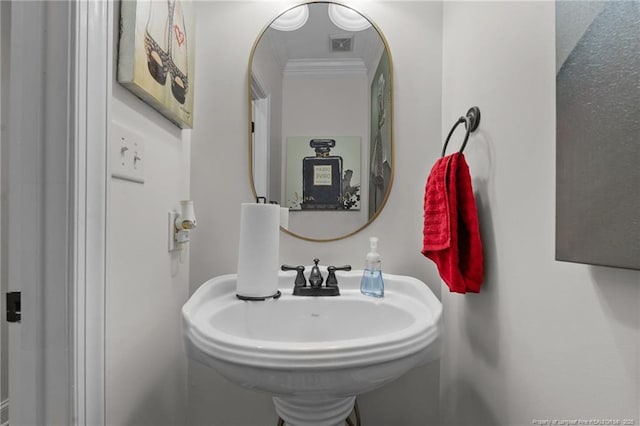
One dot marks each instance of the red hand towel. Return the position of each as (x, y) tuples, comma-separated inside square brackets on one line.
[(451, 231)]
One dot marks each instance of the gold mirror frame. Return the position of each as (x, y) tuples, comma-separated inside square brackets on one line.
[(391, 107)]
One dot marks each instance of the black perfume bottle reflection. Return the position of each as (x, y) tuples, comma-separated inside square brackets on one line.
[(321, 177)]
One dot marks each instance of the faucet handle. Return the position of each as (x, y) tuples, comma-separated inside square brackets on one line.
[(300, 279), (340, 268), (332, 281)]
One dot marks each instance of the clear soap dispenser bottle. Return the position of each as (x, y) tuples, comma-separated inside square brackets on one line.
[(372, 283)]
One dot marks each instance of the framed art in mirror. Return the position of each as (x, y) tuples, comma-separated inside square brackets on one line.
[(323, 173)]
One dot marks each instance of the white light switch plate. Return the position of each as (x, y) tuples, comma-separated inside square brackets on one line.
[(127, 154)]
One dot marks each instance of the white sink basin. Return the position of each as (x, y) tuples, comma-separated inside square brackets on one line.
[(314, 354)]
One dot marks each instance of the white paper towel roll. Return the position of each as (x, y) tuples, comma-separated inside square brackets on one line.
[(259, 250), (284, 217)]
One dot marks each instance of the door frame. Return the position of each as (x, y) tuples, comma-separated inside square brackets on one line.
[(260, 137), (57, 189), (92, 76)]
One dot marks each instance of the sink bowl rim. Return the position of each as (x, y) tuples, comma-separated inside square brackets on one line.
[(310, 355)]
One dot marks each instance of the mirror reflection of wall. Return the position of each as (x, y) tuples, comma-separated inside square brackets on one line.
[(329, 78)]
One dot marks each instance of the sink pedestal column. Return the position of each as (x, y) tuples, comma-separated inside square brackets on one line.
[(314, 412)]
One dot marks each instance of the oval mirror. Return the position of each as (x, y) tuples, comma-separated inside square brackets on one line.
[(321, 119)]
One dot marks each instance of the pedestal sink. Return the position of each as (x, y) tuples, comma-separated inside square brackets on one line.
[(314, 354)]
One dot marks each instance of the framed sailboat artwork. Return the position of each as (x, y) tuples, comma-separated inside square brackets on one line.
[(156, 55)]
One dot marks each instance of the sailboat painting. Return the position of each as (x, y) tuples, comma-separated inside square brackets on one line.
[(156, 55)]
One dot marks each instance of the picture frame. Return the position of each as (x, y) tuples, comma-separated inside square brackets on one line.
[(380, 152), (323, 173), (156, 55)]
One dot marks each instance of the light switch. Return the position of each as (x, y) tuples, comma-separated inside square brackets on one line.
[(127, 154)]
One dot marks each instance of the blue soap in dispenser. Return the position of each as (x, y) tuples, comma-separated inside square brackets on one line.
[(372, 284)]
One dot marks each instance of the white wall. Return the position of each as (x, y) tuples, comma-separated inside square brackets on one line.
[(543, 339), (220, 183), (146, 377)]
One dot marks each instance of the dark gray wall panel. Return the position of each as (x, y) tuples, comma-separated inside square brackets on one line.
[(598, 140)]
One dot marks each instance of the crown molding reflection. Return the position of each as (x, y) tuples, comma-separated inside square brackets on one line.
[(323, 68)]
